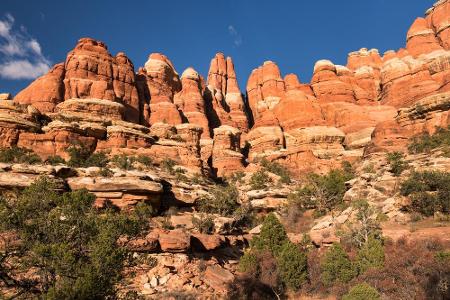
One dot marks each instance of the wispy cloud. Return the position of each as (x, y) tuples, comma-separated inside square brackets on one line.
[(20, 54), (237, 38)]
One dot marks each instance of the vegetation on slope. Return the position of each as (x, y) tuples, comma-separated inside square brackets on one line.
[(61, 247)]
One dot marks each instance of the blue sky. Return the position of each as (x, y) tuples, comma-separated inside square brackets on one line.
[(294, 34)]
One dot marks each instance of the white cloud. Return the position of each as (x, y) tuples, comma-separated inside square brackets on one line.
[(20, 54), (237, 38), (23, 69), (34, 45)]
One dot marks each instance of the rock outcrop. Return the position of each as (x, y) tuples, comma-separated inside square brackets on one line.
[(226, 104), (158, 84), (375, 100), (190, 100), (89, 71)]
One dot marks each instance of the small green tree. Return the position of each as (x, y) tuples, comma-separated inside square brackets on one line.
[(19, 155), (362, 291), (336, 266), (277, 169), (123, 161), (396, 162), (55, 160), (248, 263), (204, 224), (429, 192), (371, 255), (168, 165), (80, 156), (292, 266), (68, 244), (223, 200), (272, 236), (366, 225), (260, 180), (321, 192)]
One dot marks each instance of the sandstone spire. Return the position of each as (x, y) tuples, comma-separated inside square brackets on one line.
[(190, 100), (224, 96)]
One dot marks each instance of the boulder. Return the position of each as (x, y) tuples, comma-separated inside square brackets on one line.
[(174, 241), (207, 242), (123, 192), (218, 278)]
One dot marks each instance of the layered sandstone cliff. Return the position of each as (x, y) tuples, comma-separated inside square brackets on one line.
[(374, 103)]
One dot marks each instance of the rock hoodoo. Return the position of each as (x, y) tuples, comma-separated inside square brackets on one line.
[(98, 99)]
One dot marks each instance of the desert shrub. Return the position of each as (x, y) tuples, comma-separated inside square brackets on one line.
[(426, 142), (180, 171), (97, 159), (412, 270), (78, 155), (278, 169), (236, 177), (248, 263), (105, 172), (348, 169), (260, 180), (429, 192), (336, 266), (145, 160), (55, 160), (166, 223), (370, 255), (223, 200), (362, 291), (273, 260), (180, 174), (123, 161), (82, 157), (168, 165), (19, 155), (204, 224), (443, 256), (69, 244), (396, 163), (245, 217), (272, 236), (366, 225), (321, 192), (292, 266), (198, 178), (250, 287), (177, 138), (369, 169)]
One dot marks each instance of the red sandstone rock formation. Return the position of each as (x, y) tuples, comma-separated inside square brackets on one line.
[(226, 155), (265, 87), (226, 104), (374, 103), (438, 18), (162, 83), (46, 91), (190, 100), (89, 72)]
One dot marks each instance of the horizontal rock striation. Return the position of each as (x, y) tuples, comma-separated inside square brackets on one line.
[(374, 103)]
